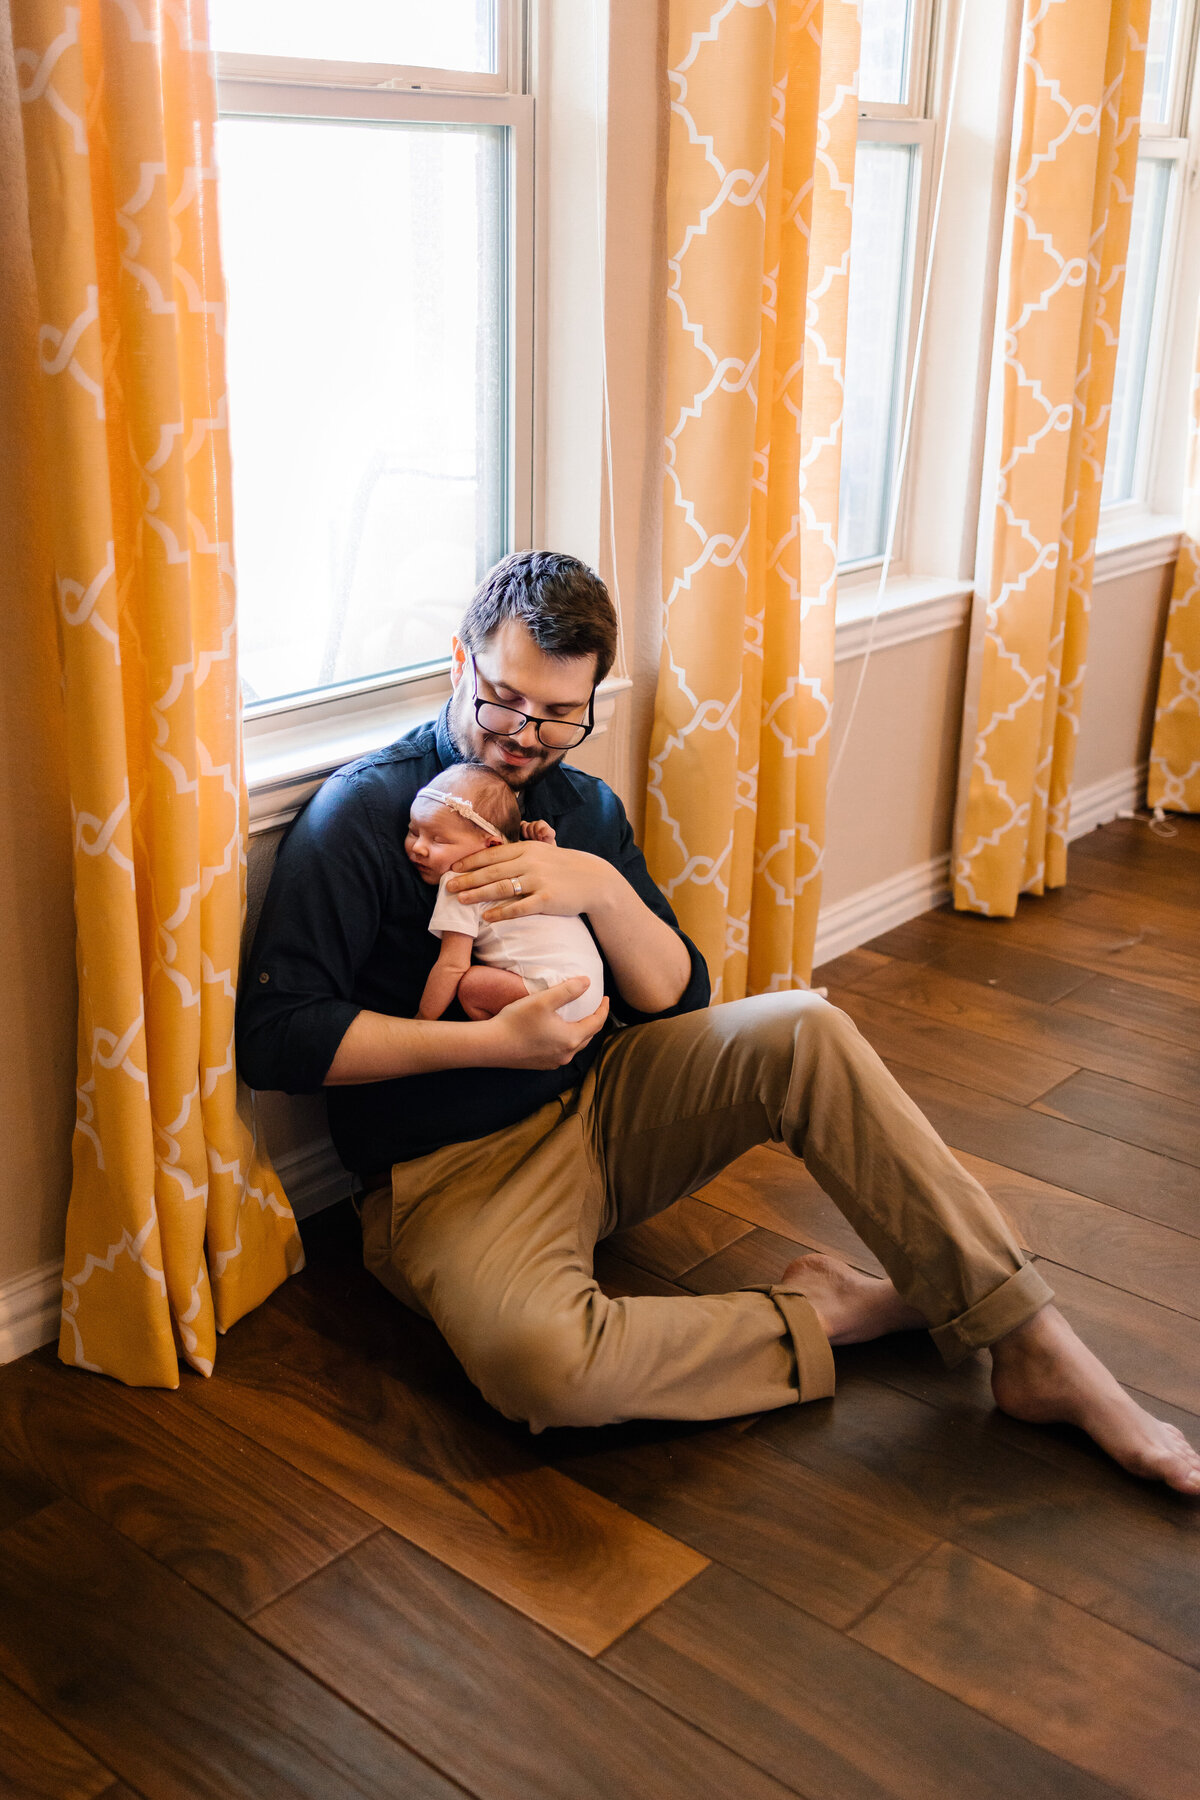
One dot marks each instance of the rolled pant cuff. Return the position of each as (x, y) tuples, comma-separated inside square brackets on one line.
[(1012, 1304), (814, 1357)]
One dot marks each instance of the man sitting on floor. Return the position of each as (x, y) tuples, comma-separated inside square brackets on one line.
[(496, 1152)]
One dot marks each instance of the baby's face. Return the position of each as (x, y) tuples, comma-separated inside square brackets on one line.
[(437, 838)]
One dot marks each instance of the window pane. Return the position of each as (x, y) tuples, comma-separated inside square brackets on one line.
[(876, 339), (1150, 196), (367, 346), (1160, 54), (883, 70), (429, 34)]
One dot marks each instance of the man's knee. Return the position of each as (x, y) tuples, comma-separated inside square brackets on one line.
[(541, 1371)]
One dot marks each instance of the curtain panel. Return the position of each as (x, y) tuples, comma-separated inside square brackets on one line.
[(1174, 781), (176, 1226), (1082, 66), (759, 186)]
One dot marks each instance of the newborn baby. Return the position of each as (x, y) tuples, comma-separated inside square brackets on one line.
[(468, 808)]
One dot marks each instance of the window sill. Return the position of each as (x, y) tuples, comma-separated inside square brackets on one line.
[(289, 754), (912, 606), (1136, 541)]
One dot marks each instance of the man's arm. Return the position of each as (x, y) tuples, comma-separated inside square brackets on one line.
[(529, 1034)]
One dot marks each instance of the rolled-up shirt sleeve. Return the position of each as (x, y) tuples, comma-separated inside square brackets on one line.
[(328, 893), (632, 865)]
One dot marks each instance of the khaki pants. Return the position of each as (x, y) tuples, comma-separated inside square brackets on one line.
[(493, 1239)]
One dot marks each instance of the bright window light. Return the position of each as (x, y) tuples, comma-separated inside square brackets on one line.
[(883, 68), (1129, 402), (1160, 53), (367, 357), (431, 34), (885, 182)]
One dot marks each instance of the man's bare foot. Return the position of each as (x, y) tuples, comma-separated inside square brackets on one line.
[(851, 1306), (1043, 1373)]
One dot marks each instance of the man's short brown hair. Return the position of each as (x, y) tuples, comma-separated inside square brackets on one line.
[(563, 605)]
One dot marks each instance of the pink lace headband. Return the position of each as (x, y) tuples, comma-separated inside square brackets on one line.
[(465, 810)]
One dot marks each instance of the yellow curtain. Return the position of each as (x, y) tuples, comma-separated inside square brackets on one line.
[(176, 1226), (1175, 750), (760, 172), (1081, 90)]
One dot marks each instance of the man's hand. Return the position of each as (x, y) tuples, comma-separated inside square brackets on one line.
[(532, 1034), (547, 880)]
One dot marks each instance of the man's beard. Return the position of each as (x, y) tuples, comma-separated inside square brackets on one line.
[(538, 768)]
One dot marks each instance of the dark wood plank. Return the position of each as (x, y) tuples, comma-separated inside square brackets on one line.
[(1119, 1548), (503, 1708), (1179, 831), (221, 1511), (1080, 1688), (22, 1490), (621, 1280), (981, 957), (677, 1239), (407, 1440), (1161, 922), (739, 1504), (778, 1193), (1110, 1049), (822, 1713), (38, 1761), (1129, 955), (1070, 1156), (756, 1260), (166, 1689), (1009, 1070), (1098, 1240), (1136, 1115), (1113, 862), (1144, 1009), (849, 969)]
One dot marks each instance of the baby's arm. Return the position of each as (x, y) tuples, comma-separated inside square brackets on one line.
[(454, 959), (538, 831)]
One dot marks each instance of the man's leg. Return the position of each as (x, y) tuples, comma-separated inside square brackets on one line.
[(678, 1099), (493, 1241)]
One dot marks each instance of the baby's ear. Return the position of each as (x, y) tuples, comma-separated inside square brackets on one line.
[(493, 842)]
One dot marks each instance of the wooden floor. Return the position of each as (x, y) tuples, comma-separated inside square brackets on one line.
[(332, 1570)]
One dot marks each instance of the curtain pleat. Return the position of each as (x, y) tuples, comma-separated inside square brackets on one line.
[(1082, 68), (177, 1225), (760, 177), (1174, 781)]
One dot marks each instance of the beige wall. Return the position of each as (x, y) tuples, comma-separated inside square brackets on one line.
[(890, 810), (37, 940)]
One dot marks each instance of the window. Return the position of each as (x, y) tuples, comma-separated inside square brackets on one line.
[(375, 191), (1153, 236), (890, 199)]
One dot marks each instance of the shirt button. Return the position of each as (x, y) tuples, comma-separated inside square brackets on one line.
[(264, 978)]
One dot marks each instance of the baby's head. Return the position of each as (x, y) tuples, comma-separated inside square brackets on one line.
[(439, 831)]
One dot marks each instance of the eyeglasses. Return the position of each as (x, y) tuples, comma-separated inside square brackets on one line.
[(506, 721)]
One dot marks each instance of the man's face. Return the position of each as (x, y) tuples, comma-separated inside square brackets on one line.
[(514, 672)]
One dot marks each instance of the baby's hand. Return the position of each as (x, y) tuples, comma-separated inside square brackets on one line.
[(537, 831)]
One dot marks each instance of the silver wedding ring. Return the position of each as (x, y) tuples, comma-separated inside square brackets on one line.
[(516, 887)]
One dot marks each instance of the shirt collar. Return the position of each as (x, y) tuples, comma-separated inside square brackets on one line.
[(559, 792)]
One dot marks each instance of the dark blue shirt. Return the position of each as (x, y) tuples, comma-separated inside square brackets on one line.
[(345, 927)]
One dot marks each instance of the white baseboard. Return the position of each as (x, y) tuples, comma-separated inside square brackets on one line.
[(29, 1310), (312, 1176), (1103, 800), (865, 915), (852, 921)]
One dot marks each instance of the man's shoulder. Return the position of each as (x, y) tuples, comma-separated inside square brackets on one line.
[(381, 784)]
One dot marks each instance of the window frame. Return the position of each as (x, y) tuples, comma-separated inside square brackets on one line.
[(905, 122), (290, 88)]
